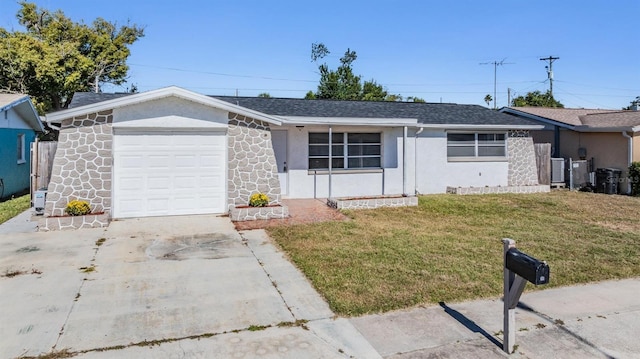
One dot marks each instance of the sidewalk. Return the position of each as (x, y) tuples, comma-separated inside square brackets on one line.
[(23, 223), (600, 320)]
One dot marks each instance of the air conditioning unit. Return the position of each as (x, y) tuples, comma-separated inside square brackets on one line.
[(557, 170), (579, 174), (39, 200)]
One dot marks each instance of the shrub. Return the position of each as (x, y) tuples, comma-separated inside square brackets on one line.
[(258, 200), (77, 208), (634, 177)]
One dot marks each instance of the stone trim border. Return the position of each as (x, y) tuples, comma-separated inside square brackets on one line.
[(371, 203), (254, 213), (73, 222), (499, 189)]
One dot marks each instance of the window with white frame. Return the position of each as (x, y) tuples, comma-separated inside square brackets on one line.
[(348, 150), (478, 144), (21, 149)]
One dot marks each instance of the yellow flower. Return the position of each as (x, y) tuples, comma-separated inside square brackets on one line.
[(77, 208), (258, 200)]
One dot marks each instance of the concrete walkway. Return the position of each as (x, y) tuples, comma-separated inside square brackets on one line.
[(25, 222)]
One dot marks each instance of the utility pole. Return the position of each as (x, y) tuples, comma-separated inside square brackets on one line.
[(495, 78), (508, 96), (549, 68)]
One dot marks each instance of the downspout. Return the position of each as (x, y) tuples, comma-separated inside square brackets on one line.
[(404, 161), (556, 140), (630, 157), (330, 157), (415, 160)]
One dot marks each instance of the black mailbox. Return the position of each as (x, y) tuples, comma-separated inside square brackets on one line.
[(527, 267)]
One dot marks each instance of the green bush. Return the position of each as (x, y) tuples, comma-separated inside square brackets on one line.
[(634, 177), (258, 200), (77, 208)]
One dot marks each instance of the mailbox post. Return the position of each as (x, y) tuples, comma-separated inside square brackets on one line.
[(518, 269)]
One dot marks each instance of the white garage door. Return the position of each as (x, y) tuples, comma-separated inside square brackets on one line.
[(161, 174)]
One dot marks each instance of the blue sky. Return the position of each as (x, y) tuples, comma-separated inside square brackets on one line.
[(429, 49)]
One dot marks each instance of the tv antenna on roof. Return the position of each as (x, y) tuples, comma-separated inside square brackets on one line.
[(495, 77)]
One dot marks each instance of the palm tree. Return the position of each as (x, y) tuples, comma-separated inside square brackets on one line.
[(488, 99)]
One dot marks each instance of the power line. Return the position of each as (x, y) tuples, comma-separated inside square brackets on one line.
[(495, 77)]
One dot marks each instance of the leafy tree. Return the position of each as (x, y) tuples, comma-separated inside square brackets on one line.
[(415, 99), (488, 99), (342, 83), (55, 57), (264, 95), (633, 104), (536, 99)]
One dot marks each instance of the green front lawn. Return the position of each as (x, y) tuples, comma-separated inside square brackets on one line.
[(14, 207), (449, 247)]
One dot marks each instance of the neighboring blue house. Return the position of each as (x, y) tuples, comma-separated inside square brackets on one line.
[(19, 123)]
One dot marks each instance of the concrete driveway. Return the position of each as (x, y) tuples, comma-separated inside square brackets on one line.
[(163, 287)]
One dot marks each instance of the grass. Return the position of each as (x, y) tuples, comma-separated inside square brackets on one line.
[(14, 207), (449, 248)]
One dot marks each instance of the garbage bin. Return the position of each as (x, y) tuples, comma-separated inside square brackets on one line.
[(608, 180)]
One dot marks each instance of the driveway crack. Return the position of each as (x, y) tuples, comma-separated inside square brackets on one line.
[(245, 241), (98, 244)]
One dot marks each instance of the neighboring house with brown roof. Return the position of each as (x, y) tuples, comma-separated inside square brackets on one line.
[(610, 137)]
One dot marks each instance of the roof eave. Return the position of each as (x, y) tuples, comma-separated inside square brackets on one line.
[(608, 129), (481, 127), (57, 117), (536, 118), (348, 121), (25, 108)]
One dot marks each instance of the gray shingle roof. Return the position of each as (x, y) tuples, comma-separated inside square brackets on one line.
[(88, 98), (425, 113)]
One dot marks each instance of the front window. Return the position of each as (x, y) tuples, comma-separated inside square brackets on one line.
[(21, 149), (348, 150), (476, 145)]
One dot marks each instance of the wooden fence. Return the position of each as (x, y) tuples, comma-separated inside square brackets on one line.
[(42, 155), (543, 161)]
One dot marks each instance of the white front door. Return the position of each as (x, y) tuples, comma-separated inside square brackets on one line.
[(279, 142), (161, 174)]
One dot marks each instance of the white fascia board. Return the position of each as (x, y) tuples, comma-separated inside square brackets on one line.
[(24, 107), (15, 102), (607, 129), (536, 118), (482, 127), (171, 122), (349, 121), (158, 94)]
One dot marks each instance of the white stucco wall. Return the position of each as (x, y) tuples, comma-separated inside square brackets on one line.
[(435, 173), (302, 184), (12, 120), (428, 170), (169, 106)]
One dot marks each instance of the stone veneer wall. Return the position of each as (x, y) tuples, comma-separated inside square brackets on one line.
[(255, 213), (522, 159), (371, 203), (82, 166), (499, 189), (76, 222), (252, 163)]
